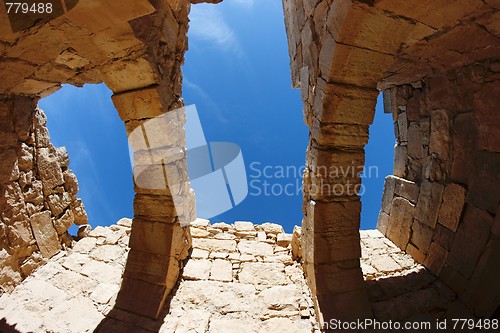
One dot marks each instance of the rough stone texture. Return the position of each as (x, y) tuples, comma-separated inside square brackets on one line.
[(454, 175), (77, 290), (38, 199)]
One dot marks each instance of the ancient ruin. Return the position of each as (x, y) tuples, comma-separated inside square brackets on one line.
[(435, 255)]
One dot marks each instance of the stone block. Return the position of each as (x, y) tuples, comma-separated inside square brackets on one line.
[(140, 104), (400, 157), (221, 270), (388, 195), (45, 234), (215, 245), (453, 279), (339, 135), (158, 238), (349, 306), (341, 104), (483, 181), (429, 201), (383, 222), (443, 236), (421, 236), (58, 202), (63, 223), (415, 253), (255, 248), (156, 207), (257, 273), (165, 131), (406, 189), (49, 170), (483, 291), (400, 221), (452, 206), (152, 268), (415, 146), (436, 258), (111, 13), (402, 128), (440, 134), (141, 297), (78, 209), (464, 141), (470, 240), (337, 278)]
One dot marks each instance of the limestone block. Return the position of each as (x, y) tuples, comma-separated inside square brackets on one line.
[(140, 104), (263, 273), (221, 270), (244, 226), (284, 239), (415, 146), (453, 279), (432, 13), (483, 291), (216, 245), (156, 237), (255, 248), (348, 306), (421, 236), (45, 234), (128, 75), (152, 268), (141, 297), (63, 223), (335, 103), (156, 207), (388, 195), (353, 65), (429, 201), (436, 258), (25, 159), (443, 236), (452, 206), (373, 25), (470, 240), (297, 243), (383, 222), (440, 134), (384, 263), (271, 228), (406, 189), (78, 209), (49, 170), (464, 141), (402, 127), (198, 269), (415, 253), (339, 135), (58, 202), (34, 194), (166, 131), (110, 13), (400, 221), (400, 164)]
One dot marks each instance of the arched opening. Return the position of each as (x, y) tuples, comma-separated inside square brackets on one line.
[(85, 121)]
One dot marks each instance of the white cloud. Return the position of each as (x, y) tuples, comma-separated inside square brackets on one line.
[(208, 24)]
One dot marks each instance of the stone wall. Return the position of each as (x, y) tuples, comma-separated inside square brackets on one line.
[(341, 53), (38, 201), (136, 48), (441, 204)]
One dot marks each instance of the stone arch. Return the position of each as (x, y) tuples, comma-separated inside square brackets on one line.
[(341, 53), (136, 48)]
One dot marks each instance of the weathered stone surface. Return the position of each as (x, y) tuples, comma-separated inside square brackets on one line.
[(400, 221), (45, 234), (429, 201), (451, 208), (470, 240)]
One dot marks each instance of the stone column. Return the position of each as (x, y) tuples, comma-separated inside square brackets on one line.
[(147, 96)]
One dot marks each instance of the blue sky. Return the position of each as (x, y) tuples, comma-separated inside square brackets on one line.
[(237, 74)]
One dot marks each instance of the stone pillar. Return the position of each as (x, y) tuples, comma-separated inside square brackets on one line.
[(335, 160), (147, 96)]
